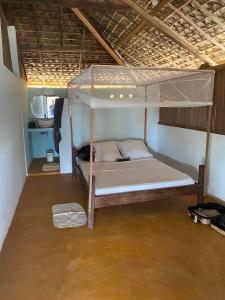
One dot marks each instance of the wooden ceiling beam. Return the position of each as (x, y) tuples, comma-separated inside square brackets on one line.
[(220, 66), (3, 15), (68, 50), (155, 22), (130, 35), (82, 4), (142, 24), (97, 35)]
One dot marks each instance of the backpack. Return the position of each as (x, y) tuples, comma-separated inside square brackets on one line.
[(84, 153)]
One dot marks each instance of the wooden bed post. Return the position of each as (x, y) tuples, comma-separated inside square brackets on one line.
[(73, 152), (206, 171), (145, 126), (200, 195), (91, 177), (71, 138), (145, 118)]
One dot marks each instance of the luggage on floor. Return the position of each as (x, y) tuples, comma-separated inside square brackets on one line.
[(205, 212), (218, 224)]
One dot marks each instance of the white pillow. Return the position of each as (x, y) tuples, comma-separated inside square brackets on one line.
[(106, 151), (134, 149)]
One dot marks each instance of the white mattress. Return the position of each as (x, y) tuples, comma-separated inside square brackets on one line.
[(135, 175)]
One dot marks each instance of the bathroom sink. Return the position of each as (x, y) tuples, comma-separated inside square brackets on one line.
[(45, 123)]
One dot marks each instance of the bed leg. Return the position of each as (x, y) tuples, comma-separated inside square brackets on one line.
[(73, 161), (91, 208), (200, 195), (200, 198), (91, 219)]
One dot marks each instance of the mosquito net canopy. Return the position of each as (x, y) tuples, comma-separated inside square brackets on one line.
[(118, 86)]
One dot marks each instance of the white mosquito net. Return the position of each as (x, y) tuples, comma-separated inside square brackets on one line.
[(118, 86)]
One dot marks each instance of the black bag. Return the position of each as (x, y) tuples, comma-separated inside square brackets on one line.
[(84, 153)]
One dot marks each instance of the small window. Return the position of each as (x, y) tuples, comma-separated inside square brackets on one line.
[(50, 103)]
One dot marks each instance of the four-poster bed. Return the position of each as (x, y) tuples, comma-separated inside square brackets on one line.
[(142, 88)]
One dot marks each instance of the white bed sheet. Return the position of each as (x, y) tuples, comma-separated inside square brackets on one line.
[(134, 175)]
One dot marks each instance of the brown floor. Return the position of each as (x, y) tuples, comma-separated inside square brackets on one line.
[(36, 167), (146, 251)]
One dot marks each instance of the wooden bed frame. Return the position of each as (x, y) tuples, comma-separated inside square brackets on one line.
[(137, 196)]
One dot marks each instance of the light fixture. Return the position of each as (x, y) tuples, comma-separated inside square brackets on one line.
[(130, 96), (111, 96), (121, 96)]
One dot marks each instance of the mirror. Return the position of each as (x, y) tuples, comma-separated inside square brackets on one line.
[(42, 107)]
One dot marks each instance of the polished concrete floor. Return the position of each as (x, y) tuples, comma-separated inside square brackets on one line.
[(35, 168), (149, 251)]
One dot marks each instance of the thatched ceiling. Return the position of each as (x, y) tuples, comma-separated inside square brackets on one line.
[(56, 45)]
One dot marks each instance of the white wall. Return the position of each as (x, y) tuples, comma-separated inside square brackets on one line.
[(187, 147), (116, 123), (152, 129), (13, 93), (1, 47), (26, 115), (217, 167), (65, 148), (108, 124), (13, 49)]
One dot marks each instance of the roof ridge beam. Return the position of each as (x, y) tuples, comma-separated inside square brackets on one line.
[(169, 32), (115, 55)]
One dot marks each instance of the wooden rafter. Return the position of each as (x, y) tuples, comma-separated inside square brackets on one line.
[(140, 63), (51, 44), (82, 46), (131, 34), (142, 24), (134, 53), (63, 50), (61, 42), (201, 32), (169, 32), (5, 10), (3, 14), (208, 14), (150, 43), (96, 34), (38, 39), (85, 4)]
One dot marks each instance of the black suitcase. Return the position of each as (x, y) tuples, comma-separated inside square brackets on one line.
[(205, 212), (218, 224)]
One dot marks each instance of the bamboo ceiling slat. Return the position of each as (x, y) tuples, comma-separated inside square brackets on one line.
[(55, 46)]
